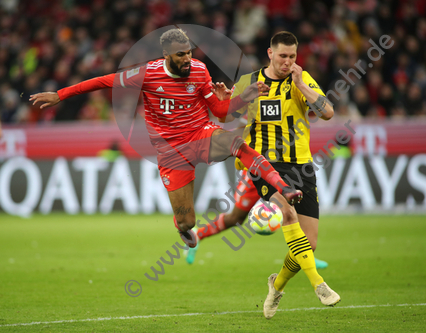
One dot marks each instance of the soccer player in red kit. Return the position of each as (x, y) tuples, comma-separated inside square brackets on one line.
[(177, 92)]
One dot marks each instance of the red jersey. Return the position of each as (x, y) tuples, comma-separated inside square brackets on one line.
[(174, 106)]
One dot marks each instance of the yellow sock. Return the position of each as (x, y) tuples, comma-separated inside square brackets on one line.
[(289, 269), (302, 251)]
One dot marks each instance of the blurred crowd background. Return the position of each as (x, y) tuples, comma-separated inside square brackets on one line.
[(47, 45)]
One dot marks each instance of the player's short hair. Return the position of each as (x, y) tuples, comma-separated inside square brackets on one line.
[(284, 37), (173, 35)]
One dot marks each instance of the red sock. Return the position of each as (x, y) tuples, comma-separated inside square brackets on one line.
[(210, 230), (257, 164)]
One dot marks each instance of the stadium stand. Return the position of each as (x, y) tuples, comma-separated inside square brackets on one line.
[(47, 45)]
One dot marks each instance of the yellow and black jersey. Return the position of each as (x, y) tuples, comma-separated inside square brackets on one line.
[(276, 124)]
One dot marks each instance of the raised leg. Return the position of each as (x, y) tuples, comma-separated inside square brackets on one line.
[(225, 144)]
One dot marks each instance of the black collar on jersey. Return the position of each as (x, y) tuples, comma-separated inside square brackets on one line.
[(268, 78)]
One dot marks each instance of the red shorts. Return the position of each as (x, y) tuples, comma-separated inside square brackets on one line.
[(250, 195), (178, 169)]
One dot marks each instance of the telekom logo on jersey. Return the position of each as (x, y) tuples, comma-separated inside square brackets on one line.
[(168, 104)]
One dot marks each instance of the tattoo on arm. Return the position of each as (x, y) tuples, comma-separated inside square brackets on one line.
[(320, 104), (181, 210)]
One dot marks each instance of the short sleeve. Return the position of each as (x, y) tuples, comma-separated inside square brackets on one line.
[(237, 89)]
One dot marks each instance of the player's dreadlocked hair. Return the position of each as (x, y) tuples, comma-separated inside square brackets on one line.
[(173, 35), (284, 37)]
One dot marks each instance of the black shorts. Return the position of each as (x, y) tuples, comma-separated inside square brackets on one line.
[(303, 178)]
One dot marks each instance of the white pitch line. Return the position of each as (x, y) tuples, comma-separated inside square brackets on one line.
[(203, 314)]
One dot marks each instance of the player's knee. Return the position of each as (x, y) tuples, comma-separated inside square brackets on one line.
[(289, 215), (227, 139)]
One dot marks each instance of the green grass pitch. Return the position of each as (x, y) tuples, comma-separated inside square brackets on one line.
[(61, 270)]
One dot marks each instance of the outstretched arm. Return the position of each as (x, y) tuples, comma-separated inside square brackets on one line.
[(53, 98)]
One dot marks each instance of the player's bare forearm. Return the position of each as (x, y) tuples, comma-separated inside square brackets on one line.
[(319, 102), (48, 98)]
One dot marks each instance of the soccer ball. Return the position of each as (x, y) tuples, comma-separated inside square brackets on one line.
[(265, 218)]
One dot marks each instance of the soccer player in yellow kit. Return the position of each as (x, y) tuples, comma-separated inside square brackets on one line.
[(278, 128)]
